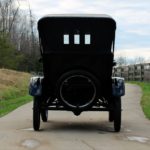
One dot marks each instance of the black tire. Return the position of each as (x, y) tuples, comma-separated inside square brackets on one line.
[(111, 116), (36, 113), (44, 115), (117, 114)]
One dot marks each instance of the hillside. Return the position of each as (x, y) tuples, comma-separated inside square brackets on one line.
[(13, 90)]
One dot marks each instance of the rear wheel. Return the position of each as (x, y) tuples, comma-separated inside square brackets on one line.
[(44, 115), (36, 113), (117, 114), (111, 116)]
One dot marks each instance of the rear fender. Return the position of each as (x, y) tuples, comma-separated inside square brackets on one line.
[(35, 86), (118, 86)]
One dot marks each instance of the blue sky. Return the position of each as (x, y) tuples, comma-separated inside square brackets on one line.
[(132, 17)]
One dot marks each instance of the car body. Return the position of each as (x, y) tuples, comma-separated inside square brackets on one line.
[(78, 57)]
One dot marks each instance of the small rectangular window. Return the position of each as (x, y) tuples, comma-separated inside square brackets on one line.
[(76, 39), (87, 39), (66, 39)]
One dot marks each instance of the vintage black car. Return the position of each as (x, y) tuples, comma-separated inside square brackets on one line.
[(78, 57)]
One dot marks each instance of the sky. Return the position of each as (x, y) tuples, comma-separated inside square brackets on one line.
[(132, 17)]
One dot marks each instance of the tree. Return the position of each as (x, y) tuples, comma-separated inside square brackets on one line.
[(8, 13), (19, 43), (139, 60), (121, 61), (9, 58)]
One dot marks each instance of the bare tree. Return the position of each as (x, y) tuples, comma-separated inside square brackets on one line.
[(121, 61), (139, 60), (8, 13), (18, 25)]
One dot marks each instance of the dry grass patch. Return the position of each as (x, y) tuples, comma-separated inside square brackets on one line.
[(13, 86)]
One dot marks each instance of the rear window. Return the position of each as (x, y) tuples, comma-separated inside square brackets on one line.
[(77, 39)]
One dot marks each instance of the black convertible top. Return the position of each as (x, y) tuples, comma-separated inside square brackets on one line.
[(78, 16), (100, 27)]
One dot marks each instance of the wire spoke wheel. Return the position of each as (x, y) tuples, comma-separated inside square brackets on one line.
[(111, 116), (117, 114), (44, 115), (36, 113)]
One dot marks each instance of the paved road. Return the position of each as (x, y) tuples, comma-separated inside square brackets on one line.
[(89, 131)]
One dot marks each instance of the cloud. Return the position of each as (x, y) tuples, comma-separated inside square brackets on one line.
[(132, 17), (139, 31), (70, 4), (129, 11), (133, 53), (24, 5)]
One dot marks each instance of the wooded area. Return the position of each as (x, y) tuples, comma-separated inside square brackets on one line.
[(137, 72), (19, 47)]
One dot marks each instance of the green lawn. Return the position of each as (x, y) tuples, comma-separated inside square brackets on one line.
[(145, 102), (9, 105)]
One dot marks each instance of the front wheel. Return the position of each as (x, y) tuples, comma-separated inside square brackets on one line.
[(117, 114), (36, 113)]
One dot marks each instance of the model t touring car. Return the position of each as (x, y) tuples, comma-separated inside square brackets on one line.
[(78, 57)]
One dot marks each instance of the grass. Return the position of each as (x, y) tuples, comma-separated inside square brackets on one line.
[(13, 90), (145, 102), (10, 105)]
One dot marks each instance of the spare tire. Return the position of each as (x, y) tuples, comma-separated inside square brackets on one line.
[(77, 89)]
